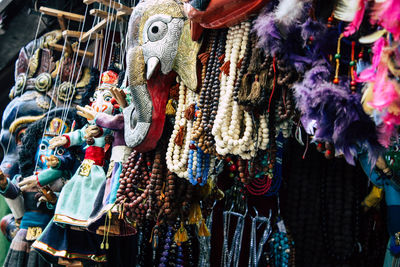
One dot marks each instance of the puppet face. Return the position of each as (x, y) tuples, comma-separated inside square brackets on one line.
[(158, 43), (42, 152), (18, 115), (101, 101)]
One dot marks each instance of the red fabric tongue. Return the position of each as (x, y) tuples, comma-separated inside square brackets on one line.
[(158, 87)]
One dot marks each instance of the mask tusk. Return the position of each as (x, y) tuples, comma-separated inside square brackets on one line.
[(151, 66)]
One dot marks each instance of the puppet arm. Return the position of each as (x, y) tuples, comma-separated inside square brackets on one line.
[(110, 122)]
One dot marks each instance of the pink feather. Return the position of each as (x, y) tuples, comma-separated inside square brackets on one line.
[(385, 132), (387, 14), (384, 92), (355, 24), (388, 129), (369, 74)]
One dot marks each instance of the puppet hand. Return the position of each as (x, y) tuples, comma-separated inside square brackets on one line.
[(52, 161), (58, 141), (119, 96), (3, 180), (92, 131), (87, 112), (43, 199), (28, 183)]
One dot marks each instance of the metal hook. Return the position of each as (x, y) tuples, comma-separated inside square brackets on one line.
[(256, 212), (230, 210)]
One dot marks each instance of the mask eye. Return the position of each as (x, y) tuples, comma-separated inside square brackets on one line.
[(43, 147), (20, 135), (60, 151), (157, 31), (92, 99)]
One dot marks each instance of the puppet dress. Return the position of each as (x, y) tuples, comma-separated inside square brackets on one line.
[(64, 236), (77, 197), (107, 196)]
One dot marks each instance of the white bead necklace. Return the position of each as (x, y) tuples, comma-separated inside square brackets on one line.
[(227, 126), (176, 155)]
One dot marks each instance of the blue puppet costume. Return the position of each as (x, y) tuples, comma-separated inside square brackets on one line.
[(32, 215)]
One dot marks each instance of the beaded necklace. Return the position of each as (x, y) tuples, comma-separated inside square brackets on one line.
[(226, 128), (179, 142)]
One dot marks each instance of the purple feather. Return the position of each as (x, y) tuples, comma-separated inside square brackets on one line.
[(338, 114), (269, 36), (312, 28)]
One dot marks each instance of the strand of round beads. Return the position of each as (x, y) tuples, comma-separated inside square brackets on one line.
[(224, 108), (263, 132), (220, 117), (228, 123), (177, 156)]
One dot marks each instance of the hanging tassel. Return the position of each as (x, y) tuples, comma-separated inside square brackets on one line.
[(373, 198), (203, 229), (189, 112), (107, 222), (162, 195), (204, 58), (255, 92), (121, 210), (225, 67), (181, 235), (154, 236), (107, 233), (169, 110), (195, 213), (244, 88), (174, 92), (221, 58), (180, 136), (263, 78)]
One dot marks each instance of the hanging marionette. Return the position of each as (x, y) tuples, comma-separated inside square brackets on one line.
[(78, 197), (31, 203), (119, 154)]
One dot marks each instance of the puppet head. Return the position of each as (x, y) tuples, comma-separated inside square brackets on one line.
[(35, 93), (102, 97), (55, 127), (34, 145)]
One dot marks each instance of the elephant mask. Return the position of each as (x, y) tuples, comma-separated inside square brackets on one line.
[(159, 46)]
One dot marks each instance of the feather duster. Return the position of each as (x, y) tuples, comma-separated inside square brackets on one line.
[(387, 14), (314, 29), (289, 12), (276, 39), (269, 36), (341, 120), (336, 112)]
